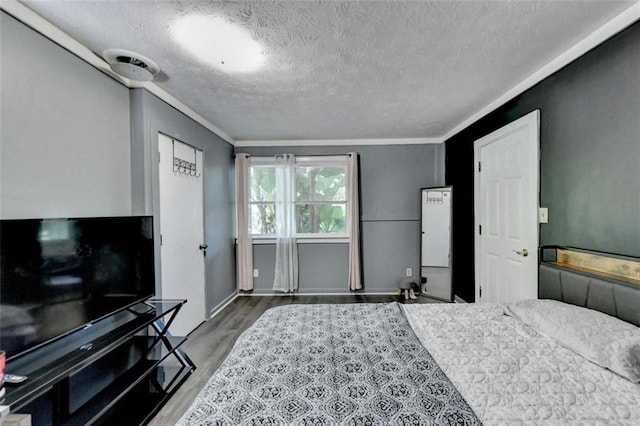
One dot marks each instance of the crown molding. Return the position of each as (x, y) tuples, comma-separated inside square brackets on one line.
[(623, 20), (597, 37), (337, 142), (55, 34)]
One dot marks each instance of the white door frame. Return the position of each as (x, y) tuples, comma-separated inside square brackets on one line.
[(532, 120)]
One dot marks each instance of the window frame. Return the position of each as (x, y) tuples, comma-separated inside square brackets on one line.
[(305, 161)]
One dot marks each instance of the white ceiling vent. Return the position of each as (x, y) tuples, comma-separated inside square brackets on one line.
[(131, 65)]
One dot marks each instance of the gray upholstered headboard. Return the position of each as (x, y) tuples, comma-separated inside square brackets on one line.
[(612, 297)]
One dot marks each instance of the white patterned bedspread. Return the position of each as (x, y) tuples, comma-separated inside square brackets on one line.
[(510, 374)]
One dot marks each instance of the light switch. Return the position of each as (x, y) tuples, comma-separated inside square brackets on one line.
[(256, 273), (543, 215)]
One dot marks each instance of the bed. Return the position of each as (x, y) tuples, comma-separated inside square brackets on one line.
[(509, 373), (354, 364), (533, 362)]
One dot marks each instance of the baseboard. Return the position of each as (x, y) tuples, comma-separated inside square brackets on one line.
[(458, 299), (258, 294), (432, 297), (215, 311)]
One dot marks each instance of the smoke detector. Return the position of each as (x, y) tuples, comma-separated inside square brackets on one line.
[(131, 65)]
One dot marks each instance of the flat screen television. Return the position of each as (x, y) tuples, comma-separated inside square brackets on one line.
[(59, 275)]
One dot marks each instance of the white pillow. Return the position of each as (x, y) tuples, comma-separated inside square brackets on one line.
[(603, 339)]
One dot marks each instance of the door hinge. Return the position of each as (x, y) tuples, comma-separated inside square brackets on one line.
[(481, 292), (480, 229), (160, 239), (479, 166)]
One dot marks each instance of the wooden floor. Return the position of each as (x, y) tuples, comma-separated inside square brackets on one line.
[(209, 344)]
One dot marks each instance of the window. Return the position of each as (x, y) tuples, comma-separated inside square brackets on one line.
[(320, 197), (262, 200)]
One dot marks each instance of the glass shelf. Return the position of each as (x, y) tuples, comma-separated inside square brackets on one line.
[(139, 333)]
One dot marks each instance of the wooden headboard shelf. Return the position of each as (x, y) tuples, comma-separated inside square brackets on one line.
[(606, 266)]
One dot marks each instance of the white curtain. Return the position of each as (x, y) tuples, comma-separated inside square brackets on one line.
[(286, 273), (355, 272), (244, 259)]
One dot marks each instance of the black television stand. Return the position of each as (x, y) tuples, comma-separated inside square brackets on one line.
[(121, 373)]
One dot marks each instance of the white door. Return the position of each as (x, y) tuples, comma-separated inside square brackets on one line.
[(506, 212), (182, 231)]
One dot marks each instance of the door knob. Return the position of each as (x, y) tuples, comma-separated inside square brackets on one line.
[(523, 252), (203, 246)]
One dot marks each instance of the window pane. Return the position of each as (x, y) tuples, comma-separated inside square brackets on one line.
[(321, 218), (316, 183), (263, 219), (263, 183)]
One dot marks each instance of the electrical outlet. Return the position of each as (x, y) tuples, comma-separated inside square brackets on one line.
[(409, 272), (256, 273)]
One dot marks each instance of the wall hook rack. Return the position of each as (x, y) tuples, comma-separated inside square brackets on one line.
[(185, 167)]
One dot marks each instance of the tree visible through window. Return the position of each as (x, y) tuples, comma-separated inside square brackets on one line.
[(321, 200), (263, 200)]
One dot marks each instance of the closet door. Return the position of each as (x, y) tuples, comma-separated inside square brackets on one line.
[(182, 247)]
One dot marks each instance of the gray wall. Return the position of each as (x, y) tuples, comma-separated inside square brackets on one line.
[(151, 115), (390, 182), (589, 159), (590, 149), (64, 132), (74, 142)]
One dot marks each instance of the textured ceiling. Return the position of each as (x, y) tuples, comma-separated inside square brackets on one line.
[(344, 69)]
